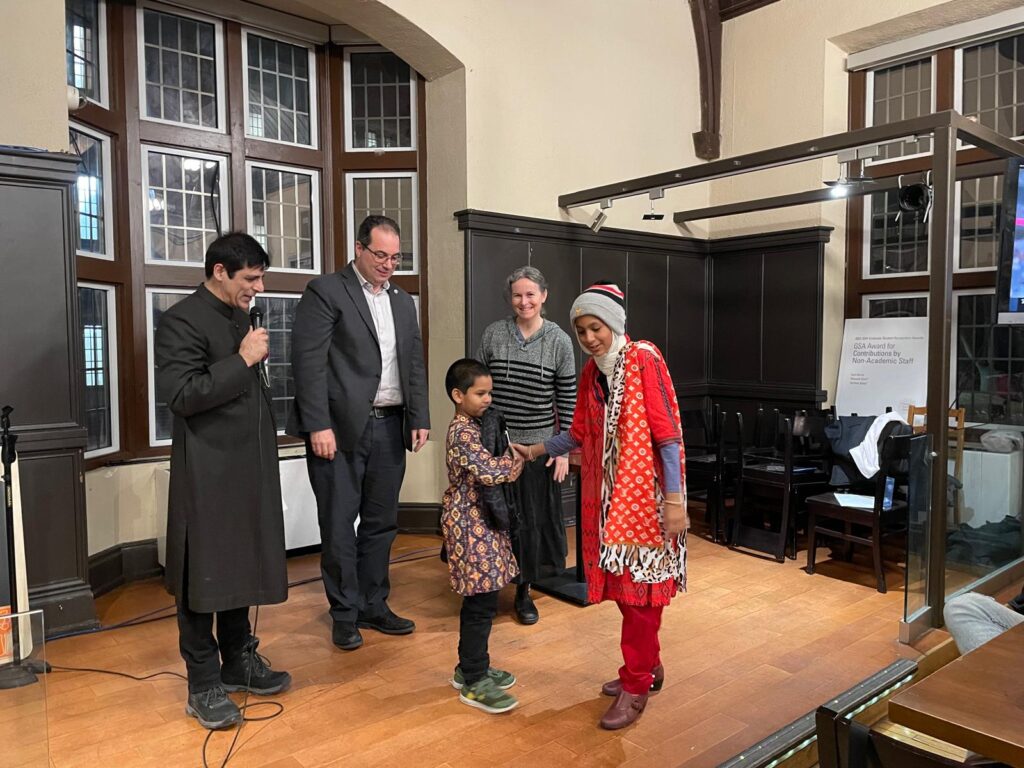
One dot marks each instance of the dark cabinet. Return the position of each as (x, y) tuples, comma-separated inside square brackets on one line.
[(40, 376)]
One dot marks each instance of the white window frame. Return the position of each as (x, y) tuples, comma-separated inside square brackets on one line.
[(346, 85), (957, 269), (111, 349), (314, 202), (867, 298), (314, 133), (958, 75), (102, 58), (151, 360), (225, 203), (866, 248), (271, 295), (220, 63), (108, 197), (869, 103), (955, 331), (353, 225)]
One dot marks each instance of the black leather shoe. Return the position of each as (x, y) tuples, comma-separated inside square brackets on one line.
[(388, 622), (213, 709), (249, 671), (346, 636), (526, 611)]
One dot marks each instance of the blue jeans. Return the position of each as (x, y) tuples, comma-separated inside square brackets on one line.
[(974, 619)]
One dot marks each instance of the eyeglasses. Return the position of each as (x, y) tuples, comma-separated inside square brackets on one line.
[(382, 257)]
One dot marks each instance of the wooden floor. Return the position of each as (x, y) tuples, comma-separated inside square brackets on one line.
[(752, 646)]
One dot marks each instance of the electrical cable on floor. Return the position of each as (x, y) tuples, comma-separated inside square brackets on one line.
[(146, 618)]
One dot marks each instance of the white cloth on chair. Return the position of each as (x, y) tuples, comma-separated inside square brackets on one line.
[(865, 455)]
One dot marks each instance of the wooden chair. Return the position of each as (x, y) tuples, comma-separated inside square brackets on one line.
[(878, 521), (956, 433), (699, 442), (778, 481)]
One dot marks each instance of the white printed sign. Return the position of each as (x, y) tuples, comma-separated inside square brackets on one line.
[(884, 363)]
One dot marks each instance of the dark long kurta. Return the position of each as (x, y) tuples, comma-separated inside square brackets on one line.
[(225, 494)]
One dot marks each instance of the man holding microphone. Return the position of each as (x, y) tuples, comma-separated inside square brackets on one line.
[(225, 528)]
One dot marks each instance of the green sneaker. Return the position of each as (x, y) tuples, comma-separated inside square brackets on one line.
[(501, 678), (485, 695)]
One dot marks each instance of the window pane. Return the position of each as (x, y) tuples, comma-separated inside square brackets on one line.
[(896, 246), (980, 219), (88, 193), (164, 418), (989, 363), (900, 93), (388, 196), (279, 94), (183, 201), (902, 306), (379, 91), (993, 84), (81, 38), (180, 69), (278, 314), (282, 211), (96, 341)]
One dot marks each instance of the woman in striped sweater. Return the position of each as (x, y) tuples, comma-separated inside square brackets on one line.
[(534, 371)]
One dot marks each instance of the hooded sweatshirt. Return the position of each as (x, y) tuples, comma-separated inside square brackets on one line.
[(534, 379)]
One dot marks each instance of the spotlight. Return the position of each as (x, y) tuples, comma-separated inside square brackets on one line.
[(598, 221), (75, 99), (914, 198), (652, 215)]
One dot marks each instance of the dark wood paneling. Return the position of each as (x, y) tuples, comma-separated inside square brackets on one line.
[(560, 265), (730, 9), (35, 297), (491, 260), (791, 313), (687, 319), (123, 563), (647, 297), (602, 264), (736, 317)]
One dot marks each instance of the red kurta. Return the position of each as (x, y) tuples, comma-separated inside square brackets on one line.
[(588, 430)]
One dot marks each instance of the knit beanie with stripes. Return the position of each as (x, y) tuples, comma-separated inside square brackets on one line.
[(604, 301)]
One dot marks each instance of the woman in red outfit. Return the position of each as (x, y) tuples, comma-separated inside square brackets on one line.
[(633, 488)]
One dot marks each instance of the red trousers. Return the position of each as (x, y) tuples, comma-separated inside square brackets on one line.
[(641, 650)]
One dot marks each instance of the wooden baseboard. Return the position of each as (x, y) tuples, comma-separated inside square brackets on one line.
[(419, 518), (122, 563)]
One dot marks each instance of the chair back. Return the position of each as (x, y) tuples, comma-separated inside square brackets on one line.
[(696, 433)]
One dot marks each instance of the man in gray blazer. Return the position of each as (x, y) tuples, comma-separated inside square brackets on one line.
[(360, 403)]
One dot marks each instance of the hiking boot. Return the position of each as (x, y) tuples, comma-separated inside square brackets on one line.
[(485, 695), (388, 622), (249, 671), (501, 678), (213, 709), (526, 610), (614, 687)]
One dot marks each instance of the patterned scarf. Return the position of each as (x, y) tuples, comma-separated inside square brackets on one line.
[(632, 501)]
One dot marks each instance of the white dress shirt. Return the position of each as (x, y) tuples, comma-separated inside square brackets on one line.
[(389, 392)]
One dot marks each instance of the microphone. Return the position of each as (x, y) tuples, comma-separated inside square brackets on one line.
[(256, 321)]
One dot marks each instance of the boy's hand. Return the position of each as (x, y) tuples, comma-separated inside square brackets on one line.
[(517, 469)]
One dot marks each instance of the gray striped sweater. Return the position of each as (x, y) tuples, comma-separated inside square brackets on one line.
[(533, 380)]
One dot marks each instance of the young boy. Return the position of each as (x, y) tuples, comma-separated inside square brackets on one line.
[(480, 559)]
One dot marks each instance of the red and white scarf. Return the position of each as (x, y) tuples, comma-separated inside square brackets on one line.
[(632, 501)]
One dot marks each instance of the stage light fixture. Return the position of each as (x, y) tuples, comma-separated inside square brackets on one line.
[(598, 221), (653, 215)]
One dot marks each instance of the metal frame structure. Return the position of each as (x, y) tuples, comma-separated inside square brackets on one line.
[(946, 128)]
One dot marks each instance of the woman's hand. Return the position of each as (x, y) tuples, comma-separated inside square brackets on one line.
[(676, 517), (561, 467)]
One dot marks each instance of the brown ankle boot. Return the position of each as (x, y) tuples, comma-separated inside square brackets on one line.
[(614, 687), (626, 708)]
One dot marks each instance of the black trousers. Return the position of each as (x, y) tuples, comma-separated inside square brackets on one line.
[(361, 485), (202, 654), (538, 540), (475, 621)]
